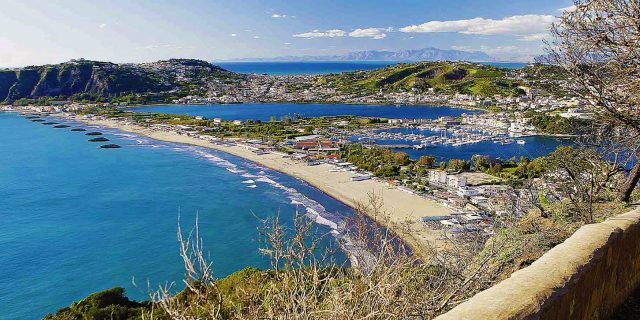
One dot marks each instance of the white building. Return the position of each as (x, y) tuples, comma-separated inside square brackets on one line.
[(437, 177), (467, 191), (442, 179), (456, 181)]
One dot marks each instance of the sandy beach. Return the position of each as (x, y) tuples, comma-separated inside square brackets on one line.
[(403, 208)]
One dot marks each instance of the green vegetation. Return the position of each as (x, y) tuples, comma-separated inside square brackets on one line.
[(555, 124), (273, 130), (381, 161), (387, 164), (110, 304), (84, 80), (398, 283), (443, 77)]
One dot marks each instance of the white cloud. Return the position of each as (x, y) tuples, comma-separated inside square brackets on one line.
[(168, 46), (373, 33), (279, 16), (287, 43), (514, 25), (568, 9), (234, 35), (535, 37), (462, 48), (102, 26), (505, 53), (501, 49), (333, 33), (256, 37)]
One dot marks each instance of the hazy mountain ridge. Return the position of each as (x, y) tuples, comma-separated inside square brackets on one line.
[(426, 54)]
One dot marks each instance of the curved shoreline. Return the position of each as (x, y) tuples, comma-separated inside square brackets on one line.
[(403, 209)]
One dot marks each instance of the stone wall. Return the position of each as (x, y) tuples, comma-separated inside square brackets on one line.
[(585, 277)]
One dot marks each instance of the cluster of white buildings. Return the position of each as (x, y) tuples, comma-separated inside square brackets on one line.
[(488, 196)]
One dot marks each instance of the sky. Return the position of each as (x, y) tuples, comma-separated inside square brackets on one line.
[(34, 32)]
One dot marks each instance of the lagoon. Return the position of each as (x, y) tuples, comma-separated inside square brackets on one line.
[(264, 111)]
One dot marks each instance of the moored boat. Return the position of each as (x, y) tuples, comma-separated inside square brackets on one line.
[(109, 146), (100, 139)]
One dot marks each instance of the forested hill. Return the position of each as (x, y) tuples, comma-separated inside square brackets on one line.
[(93, 80)]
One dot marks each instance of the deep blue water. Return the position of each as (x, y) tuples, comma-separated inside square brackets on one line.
[(264, 111), (290, 68), (535, 146), (77, 219), (324, 67)]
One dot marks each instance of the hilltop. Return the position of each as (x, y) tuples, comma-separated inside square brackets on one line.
[(446, 77), (196, 81), (85, 79)]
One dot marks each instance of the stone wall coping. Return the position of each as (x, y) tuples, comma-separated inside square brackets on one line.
[(529, 291)]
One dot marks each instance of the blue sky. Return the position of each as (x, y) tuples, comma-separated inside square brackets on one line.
[(52, 31)]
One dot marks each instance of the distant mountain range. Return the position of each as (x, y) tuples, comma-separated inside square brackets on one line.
[(426, 54)]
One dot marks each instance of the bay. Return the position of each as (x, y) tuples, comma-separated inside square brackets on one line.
[(77, 219)]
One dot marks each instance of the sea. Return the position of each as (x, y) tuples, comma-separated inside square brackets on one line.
[(77, 219), (324, 67)]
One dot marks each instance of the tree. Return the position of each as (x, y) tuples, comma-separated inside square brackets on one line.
[(480, 163), (582, 177), (402, 158), (598, 46), (426, 161), (457, 165)]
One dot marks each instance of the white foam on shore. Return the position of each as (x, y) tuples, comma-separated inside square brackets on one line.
[(256, 173), (314, 210)]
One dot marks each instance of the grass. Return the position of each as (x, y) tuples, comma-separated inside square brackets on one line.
[(446, 77)]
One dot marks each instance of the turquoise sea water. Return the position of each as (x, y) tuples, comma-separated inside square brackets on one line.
[(264, 111), (77, 219)]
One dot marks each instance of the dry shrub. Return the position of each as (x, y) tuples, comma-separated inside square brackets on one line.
[(305, 281)]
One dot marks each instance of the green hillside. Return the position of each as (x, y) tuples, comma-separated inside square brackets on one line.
[(94, 80), (443, 77)]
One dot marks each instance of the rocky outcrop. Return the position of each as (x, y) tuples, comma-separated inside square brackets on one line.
[(103, 79)]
